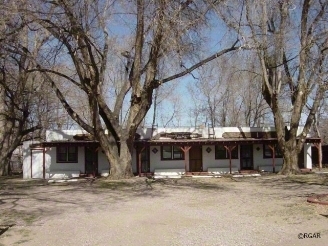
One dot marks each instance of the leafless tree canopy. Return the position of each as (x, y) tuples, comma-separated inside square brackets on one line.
[(290, 40), (84, 41), (25, 101), (112, 55)]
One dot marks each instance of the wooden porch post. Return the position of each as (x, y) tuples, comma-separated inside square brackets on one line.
[(185, 150), (229, 148), (273, 157)]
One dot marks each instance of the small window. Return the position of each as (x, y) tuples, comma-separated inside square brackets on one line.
[(267, 152), (67, 154), (166, 152), (172, 153), (222, 153)]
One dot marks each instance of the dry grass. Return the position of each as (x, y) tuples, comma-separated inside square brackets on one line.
[(311, 179), (271, 201)]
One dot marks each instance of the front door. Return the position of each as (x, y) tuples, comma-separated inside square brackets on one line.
[(246, 157), (91, 161), (144, 159), (195, 159), (301, 159)]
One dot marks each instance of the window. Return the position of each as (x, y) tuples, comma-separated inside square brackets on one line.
[(66, 154), (267, 152), (222, 153), (172, 153)]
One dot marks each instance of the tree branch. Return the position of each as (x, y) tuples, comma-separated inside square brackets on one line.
[(197, 65), (67, 107), (57, 73)]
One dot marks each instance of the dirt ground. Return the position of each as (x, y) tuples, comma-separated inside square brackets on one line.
[(266, 210)]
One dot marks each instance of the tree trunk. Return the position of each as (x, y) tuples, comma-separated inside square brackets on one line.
[(319, 146), (290, 155), (4, 164), (120, 163), (2, 131)]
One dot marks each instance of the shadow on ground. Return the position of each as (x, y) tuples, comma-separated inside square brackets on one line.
[(31, 202)]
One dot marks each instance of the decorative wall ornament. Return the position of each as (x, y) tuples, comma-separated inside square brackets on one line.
[(154, 150), (208, 149)]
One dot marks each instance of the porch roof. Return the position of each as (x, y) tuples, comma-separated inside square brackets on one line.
[(180, 142), (215, 141), (64, 143)]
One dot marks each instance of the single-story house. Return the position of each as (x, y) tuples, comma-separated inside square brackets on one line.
[(73, 153)]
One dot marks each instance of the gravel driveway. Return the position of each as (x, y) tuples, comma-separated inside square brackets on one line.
[(267, 210)]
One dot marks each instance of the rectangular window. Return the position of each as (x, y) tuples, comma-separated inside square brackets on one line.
[(177, 153), (267, 151), (67, 154), (171, 153), (222, 153), (166, 152)]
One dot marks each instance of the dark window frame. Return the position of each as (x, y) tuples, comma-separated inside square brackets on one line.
[(174, 150), (234, 153), (267, 150), (67, 156)]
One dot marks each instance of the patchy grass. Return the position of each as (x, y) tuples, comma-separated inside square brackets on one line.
[(113, 185), (21, 242), (14, 217), (25, 234), (311, 179), (30, 219), (14, 182), (142, 183)]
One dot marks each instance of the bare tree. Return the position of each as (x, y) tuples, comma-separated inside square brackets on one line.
[(228, 94), (82, 34), (291, 42), (24, 101), (254, 109), (210, 92)]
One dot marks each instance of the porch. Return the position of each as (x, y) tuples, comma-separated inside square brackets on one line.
[(65, 160), (213, 156)]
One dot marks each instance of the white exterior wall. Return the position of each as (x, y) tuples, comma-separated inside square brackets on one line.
[(209, 160), (37, 170), (157, 163), (264, 164), (51, 165), (62, 134), (37, 162)]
